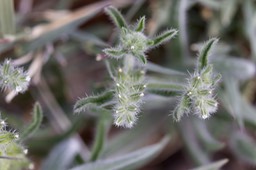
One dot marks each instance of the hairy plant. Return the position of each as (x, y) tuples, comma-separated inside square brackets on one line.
[(13, 78), (12, 152), (198, 96), (129, 75)]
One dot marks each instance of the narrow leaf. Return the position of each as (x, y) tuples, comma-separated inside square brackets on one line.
[(164, 89), (100, 136), (132, 160), (206, 137), (213, 166), (65, 25), (142, 58), (228, 11), (113, 52), (99, 142), (123, 142), (238, 68), (35, 124), (182, 108), (116, 16), (62, 155), (196, 152), (85, 36), (85, 103), (140, 25), (205, 53), (244, 147), (164, 37), (163, 70)]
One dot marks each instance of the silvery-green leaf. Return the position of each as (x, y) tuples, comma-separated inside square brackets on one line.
[(182, 108), (164, 37), (206, 137), (132, 160), (165, 89), (238, 68), (140, 26), (142, 58), (205, 52), (62, 155), (35, 124), (213, 166), (195, 150), (90, 101), (7, 17), (113, 52), (116, 16), (162, 70), (244, 147), (228, 11)]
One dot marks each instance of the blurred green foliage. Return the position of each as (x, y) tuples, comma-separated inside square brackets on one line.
[(60, 44)]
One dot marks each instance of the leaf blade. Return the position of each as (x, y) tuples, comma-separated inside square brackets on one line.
[(164, 89), (163, 37), (85, 103), (205, 52), (214, 165), (140, 26), (102, 128), (132, 160), (35, 124), (116, 17)]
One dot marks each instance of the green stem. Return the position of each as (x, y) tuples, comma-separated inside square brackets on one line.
[(129, 63)]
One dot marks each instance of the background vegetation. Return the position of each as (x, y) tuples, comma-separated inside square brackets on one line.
[(60, 44)]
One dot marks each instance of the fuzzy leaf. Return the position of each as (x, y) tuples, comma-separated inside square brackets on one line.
[(205, 52), (163, 37), (142, 58), (140, 25), (132, 160), (35, 124), (182, 108), (87, 102), (164, 89), (113, 52), (213, 166), (116, 16)]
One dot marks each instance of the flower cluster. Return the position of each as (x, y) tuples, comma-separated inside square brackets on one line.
[(13, 78), (10, 148), (133, 41), (129, 91), (198, 94), (132, 47)]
